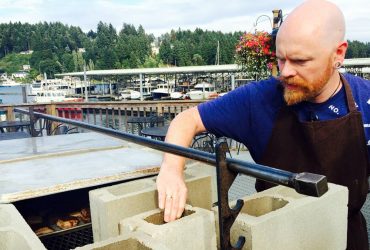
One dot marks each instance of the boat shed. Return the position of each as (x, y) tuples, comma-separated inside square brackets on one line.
[(230, 69), (358, 62), (226, 68)]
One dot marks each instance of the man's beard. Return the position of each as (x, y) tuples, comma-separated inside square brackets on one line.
[(304, 90)]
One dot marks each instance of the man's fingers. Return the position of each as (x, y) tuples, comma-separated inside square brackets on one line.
[(161, 199), (181, 203), (175, 207), (168, 207)]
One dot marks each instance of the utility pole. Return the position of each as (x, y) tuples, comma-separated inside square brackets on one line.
[(277, 20), (85, 83)]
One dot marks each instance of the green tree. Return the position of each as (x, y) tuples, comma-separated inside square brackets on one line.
[(67, 62), (197, 60), (50, 67), (78, 61)]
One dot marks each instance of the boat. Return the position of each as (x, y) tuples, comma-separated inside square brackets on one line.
[(178, 93), (51, 84), (35, 88), (201, 91), (146, 89), (129, 94), (6, 82), (52, 95), (162, 91)]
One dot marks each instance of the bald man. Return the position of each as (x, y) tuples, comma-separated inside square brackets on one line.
[(310, 119)]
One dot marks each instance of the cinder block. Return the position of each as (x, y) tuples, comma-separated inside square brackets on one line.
[(133, 241), (15, 232), (195, 230), (281, 219), (111, 204)]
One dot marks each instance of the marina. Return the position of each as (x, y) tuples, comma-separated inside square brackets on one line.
[(174, 83)]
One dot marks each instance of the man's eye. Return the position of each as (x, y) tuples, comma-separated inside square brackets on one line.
[(300, 62)]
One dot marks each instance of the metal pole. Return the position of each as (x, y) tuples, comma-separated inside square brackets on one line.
[(24, 94), (85, 83), (141, 87), (232, 81)]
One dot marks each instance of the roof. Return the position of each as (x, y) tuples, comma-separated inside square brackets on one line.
[(167, 70), (357, 62), (189, 69)]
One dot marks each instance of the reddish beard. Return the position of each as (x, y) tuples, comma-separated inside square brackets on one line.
[(297, 89)]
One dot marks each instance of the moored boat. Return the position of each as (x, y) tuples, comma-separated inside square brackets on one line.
[(202, 91), (45, 96), (129, 94), (163, 90)]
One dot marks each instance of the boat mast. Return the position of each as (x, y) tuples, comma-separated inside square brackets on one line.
[(217, 61)]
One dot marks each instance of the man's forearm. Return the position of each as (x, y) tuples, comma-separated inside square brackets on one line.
[(181, 132)]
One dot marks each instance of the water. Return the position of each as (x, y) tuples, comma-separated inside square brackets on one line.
[(13, 95)]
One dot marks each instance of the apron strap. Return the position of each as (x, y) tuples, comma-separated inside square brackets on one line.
[(350, 101)]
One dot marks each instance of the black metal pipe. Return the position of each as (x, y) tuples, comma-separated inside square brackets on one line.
[(273, 175)]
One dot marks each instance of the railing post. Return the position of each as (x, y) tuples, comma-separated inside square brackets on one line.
[(32, 122), (10, 113), (226, 215), (51, 110)]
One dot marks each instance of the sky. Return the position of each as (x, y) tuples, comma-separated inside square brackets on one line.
[(160, 16)]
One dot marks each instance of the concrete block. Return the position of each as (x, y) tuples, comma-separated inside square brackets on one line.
[(111, 204), (281, 219), (15, 232), (133, 241), (194, 230)]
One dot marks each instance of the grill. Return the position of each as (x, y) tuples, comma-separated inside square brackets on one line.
[(69, 239), (57, 206), (44, 212)]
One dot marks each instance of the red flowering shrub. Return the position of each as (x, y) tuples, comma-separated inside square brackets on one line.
[(255, 54)]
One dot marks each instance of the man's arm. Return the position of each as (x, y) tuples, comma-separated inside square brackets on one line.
[(172, 192)]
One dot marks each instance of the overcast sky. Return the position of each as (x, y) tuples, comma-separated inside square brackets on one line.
[(160, 16)]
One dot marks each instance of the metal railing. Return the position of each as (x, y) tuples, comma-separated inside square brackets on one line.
[(227, 169)]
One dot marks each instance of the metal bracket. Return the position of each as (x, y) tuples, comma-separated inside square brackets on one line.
[(33, 120), (226, 215)]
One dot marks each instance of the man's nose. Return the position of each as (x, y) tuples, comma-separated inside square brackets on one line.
[(287, 70)]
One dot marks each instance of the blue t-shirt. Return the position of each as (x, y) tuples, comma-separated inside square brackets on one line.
[(248, 113)]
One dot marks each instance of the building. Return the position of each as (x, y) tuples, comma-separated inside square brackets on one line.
[(20, 75), (26, 67), (27, 52)]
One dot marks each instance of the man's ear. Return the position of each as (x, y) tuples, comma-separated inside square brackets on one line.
[(340, 52)]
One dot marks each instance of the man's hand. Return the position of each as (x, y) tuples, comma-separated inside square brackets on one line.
[(171, 187), (172, 192)]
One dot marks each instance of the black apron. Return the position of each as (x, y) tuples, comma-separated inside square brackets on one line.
[(334, 148)]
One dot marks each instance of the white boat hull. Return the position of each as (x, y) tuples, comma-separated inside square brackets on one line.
[(176, 95), (198, 95)]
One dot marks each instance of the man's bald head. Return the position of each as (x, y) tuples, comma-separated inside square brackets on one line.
[(319, 20)]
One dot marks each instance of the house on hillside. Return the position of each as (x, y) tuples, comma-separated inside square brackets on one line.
[(26, 67), (27, 52), (20, 75)]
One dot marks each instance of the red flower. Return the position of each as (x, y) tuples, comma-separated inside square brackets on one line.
[(254, 52)]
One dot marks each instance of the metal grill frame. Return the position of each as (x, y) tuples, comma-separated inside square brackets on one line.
[(68, 239)]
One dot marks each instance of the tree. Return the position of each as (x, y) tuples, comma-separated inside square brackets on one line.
[(197, 60), (78, 61), (50, 67), (67, 62)]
